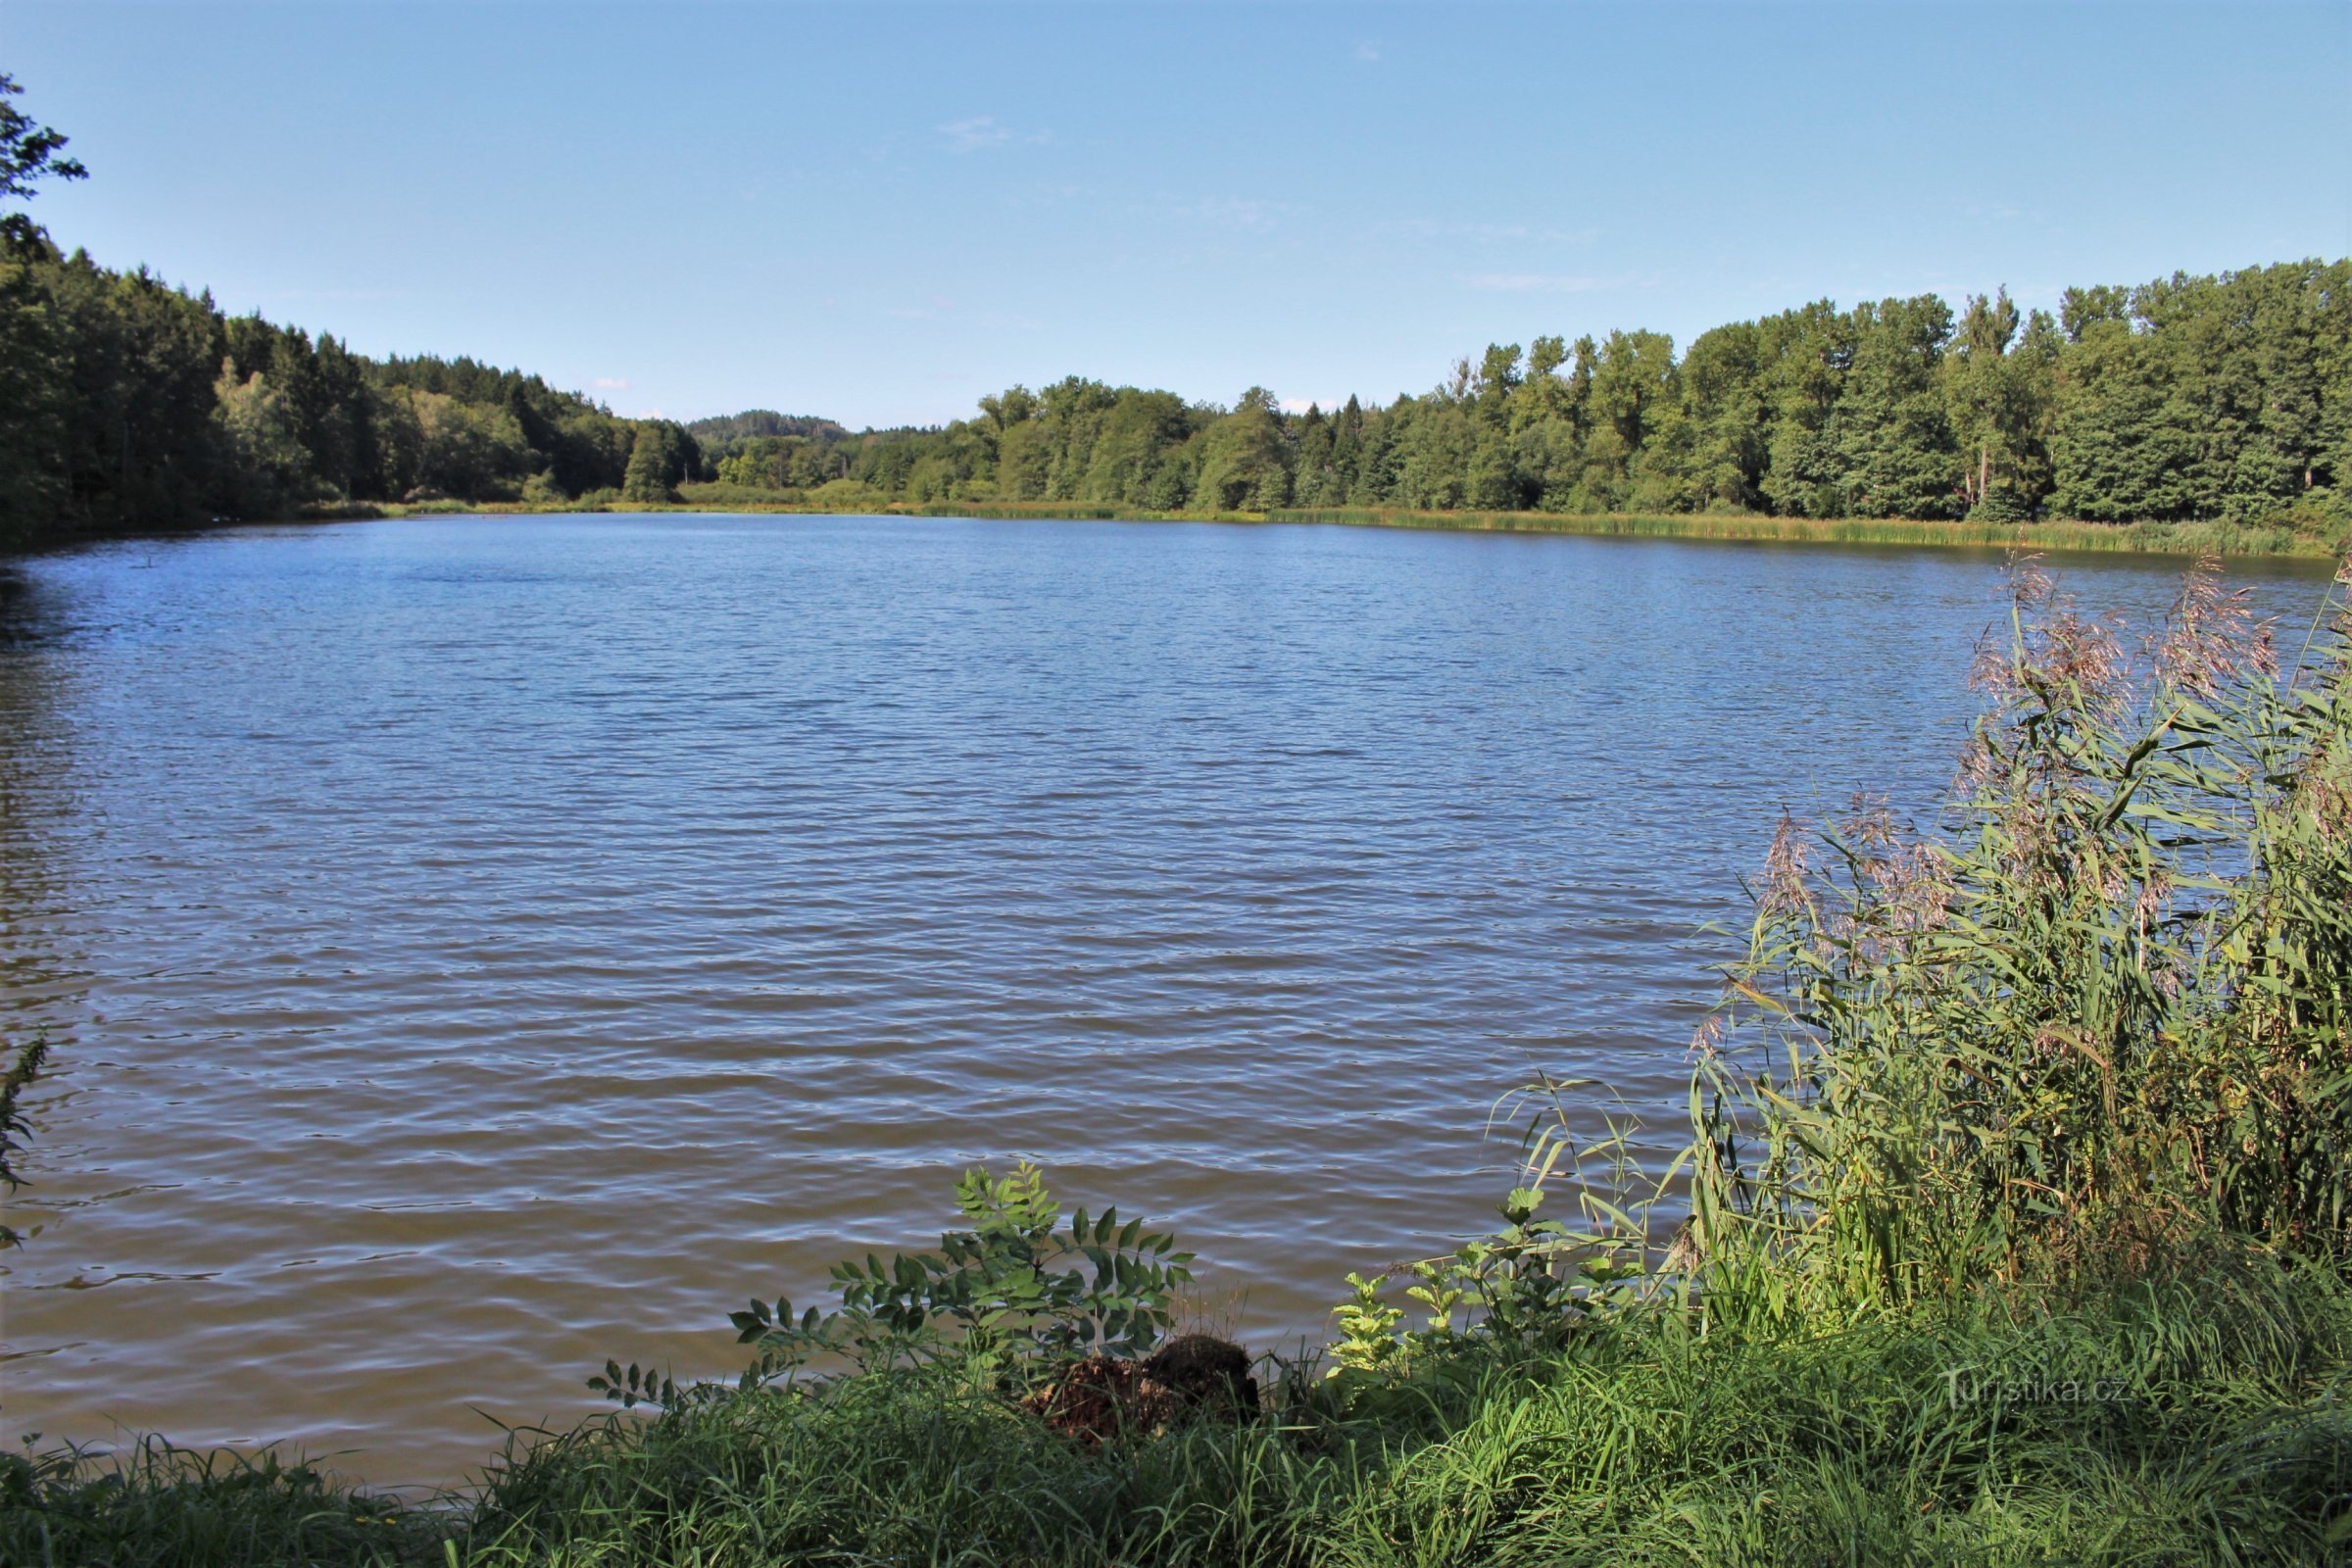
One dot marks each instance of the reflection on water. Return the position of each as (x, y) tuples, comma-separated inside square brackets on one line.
[(474, 948)]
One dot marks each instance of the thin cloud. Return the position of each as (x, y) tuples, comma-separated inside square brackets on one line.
[(933, 307), (1535, 282), (610, 383), (340, 294), (1368, 51), (1222, 212), (1236, 212), (983, 131), (1515, 234)]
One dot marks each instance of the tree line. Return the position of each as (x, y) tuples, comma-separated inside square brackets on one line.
[(2222, 398), (126, 402)]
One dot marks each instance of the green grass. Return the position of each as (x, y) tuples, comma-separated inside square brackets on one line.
[(2223, 1442), (2156, 538), (2206, 1425), (153, 1503)]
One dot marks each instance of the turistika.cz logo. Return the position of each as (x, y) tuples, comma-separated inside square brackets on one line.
[(1965, 1384)]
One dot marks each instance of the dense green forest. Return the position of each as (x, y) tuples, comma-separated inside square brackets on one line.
[(126, 402), (2226, 398)]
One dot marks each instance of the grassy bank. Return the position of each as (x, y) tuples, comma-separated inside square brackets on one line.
[(2012, 1229), (2192, 1420), (2166, 538), (2145, 538)]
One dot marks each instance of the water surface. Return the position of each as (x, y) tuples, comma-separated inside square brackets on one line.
[(477, 946)]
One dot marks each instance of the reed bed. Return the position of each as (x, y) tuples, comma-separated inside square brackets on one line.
[(2102, 1009), (2187, 539)]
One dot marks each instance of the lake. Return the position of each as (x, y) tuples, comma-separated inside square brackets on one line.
[(477, 946)]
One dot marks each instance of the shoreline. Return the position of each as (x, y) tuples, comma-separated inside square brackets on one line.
[(2178, 540), (2188, 539)]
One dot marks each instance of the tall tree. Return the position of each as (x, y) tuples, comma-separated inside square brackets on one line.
[(1728, 446), (1997, 389), (659, 459), (1245, 459), (1805, 356), (1893, 439), (2121, 456)]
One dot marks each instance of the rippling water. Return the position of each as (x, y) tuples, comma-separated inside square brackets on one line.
[(473, 948)]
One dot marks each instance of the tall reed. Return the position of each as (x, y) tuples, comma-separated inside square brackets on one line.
[(2100, 1009)]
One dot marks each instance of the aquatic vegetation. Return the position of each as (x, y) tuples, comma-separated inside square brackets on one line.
[(27, 1066), (2104, 1007), (2149, 538)]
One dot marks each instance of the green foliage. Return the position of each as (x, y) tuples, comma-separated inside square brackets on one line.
[(26, 1067), (1531, 1287), (1018, 1290), (2120, 455), (34, 395), (662, 457), (1999, 388), (2185, 1420), (1890, 431), (1244, 457), (2186, 402), (2226, 398), (2167, 1423), (2182, 539), (1368, 1339), (160, 1506), (2106, 1007), (270, 469), (127, 403)]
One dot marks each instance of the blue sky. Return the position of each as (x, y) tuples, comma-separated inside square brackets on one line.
[(880, 212)]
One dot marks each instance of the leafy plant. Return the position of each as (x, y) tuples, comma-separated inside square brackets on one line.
[(1017, 1288), (1532, 1284), (1369, 1329), (20, 1076)]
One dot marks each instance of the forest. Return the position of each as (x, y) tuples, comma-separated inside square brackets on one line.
[(127, 402), (2218, 398)]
